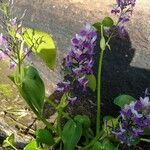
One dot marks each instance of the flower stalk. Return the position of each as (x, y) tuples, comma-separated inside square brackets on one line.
[(99, 78)]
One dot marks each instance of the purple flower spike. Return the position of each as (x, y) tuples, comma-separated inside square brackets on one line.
[(124, 9), (79, 62), (135, 117)]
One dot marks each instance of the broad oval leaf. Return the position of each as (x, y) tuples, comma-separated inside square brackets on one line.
[(41, 44), (33, 90), (91, 82), (108, 22), (83, 120), (71, 134), (97, 25), (108, 145), (97, 146), (32, 146), (123, 100), (44, 136)]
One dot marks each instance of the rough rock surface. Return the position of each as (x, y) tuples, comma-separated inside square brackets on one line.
[(126, 67)]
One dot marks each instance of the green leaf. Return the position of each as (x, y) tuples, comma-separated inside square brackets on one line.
[(108, 145), (32, 146), (97, 25), (97, 146), (71, 134), (123, 100), (33, 90), (146, 131), (44, 136), (9, 141), (108, 22), (83, 120), (92, 82), (41, 44)]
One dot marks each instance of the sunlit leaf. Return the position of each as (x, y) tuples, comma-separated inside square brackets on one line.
[(41, 44), (32, 146)]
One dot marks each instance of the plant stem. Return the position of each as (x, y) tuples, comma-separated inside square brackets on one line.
[(145, 140), (14, 147), (99, 93), (93, 141), (53, 104), (59, 122), (48, 124)]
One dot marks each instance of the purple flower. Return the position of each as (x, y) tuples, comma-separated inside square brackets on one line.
[(72, 100), (124, 18), (83, 82), (147, 93), (63, 86), (121, 31), (12, 65), (115, 9), (14, 21), (2, 40)]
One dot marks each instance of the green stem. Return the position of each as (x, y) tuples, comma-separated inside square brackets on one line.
[(12, 146), (48, 124), (99, 93), (145, 140), (59, 122), (57, 142)]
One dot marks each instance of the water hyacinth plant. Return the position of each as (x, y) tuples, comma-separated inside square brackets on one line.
[(72, 132)]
